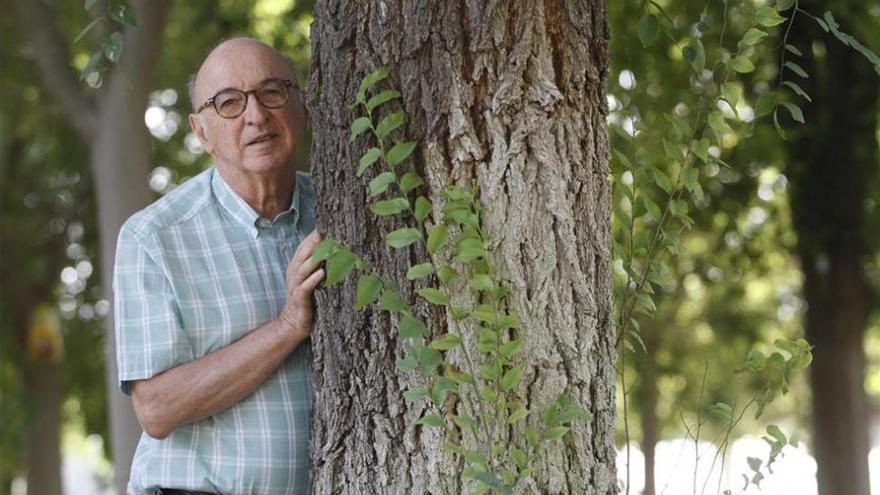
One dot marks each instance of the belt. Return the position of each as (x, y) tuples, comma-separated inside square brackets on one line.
[(177, 491)]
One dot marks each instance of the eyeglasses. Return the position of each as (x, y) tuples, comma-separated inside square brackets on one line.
[(230, 103)]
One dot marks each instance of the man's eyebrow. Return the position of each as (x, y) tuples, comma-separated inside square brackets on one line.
[(264, 81)]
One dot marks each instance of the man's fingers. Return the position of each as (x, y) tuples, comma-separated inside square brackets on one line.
[(307, 246)]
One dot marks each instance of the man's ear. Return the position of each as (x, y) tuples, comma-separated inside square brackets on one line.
[(197, 124)]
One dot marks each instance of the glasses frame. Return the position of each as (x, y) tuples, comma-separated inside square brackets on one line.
[(212, 101)]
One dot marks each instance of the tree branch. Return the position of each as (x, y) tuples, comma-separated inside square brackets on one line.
[(39, 24)]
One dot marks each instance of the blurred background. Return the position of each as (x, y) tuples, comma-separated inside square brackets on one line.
[(785, 241)]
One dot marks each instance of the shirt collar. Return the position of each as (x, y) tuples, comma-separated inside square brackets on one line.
[(236, 206)]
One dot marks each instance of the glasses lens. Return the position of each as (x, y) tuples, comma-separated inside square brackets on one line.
[(230, 103), (272, 94)]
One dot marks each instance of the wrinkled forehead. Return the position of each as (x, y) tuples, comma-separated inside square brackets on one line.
[(241, 64)]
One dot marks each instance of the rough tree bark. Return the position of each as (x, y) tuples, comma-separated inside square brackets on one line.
[(510, 95), (834, 162), (111, 121)]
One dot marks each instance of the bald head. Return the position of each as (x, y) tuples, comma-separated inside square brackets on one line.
[(228, 56)]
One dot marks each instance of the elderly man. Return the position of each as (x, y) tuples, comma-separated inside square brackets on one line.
[(213, 306)]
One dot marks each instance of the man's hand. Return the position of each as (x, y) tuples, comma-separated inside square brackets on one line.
[(303, 275)]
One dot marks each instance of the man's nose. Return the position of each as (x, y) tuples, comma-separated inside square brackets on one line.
[(254, 112)]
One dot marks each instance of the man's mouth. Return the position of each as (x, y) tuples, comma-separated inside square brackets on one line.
[(262, 139)]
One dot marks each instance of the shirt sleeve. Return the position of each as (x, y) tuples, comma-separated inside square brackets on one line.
[(149, 335)]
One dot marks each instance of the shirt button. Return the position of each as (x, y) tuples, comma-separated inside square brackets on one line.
[(264, 223)]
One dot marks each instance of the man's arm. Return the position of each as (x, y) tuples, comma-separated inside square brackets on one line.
[(221, 379)]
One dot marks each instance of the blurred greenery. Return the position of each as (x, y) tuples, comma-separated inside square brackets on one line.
[(733, 285)]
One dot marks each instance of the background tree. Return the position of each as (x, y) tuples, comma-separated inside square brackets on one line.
[(511, 97), (834, 164)]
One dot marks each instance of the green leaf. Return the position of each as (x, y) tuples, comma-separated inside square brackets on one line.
[(700, 148), (482, 282), (123, 14), (417, 393), (324, 250), (768, 16), (722, 410), (411, 328), (422, 209), (400, 151), (380, 183), (469, 249), (475, 458), (369, 80), (390, 206), (382, 97), (797, 90), (754, 463), (112, 47), (511, 378), (662, 180), (766, 103), (446, 273), (420, 270), (429, 359), (776, 433), (648, 30), (359, 125), (390, 301), (518, 415), (678, 207), (794, 49), (485, 312), (434, 296), (368, 289), (464, 422), (436, 238), (410, 181), (574, 412), (509, 321), (388, 124), (730, 93), (532, 436), (797, 69), (716, 121), (406, 365), (339, 266), (89, 26), (446, 342), (402, 237), (753, 36), (91, 66), (368, 159), (555, 433), (430, 420), (698, 63), (795, 111), (784, 5), (511, 348), (742, 64), (519, 457), (776, 124)]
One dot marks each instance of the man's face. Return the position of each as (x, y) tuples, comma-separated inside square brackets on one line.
[(261, 140)]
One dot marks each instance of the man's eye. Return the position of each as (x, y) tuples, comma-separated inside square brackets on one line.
[(270, 93), (229, 102)]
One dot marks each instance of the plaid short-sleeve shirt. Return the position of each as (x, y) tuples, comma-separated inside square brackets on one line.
[(196, 271)]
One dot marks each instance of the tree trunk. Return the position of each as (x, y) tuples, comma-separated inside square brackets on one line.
[(121, 163), (648, 418), (834, 160), (510, 96), (43, 437)]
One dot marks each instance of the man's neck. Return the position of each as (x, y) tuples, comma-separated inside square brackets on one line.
[(268, 194)]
